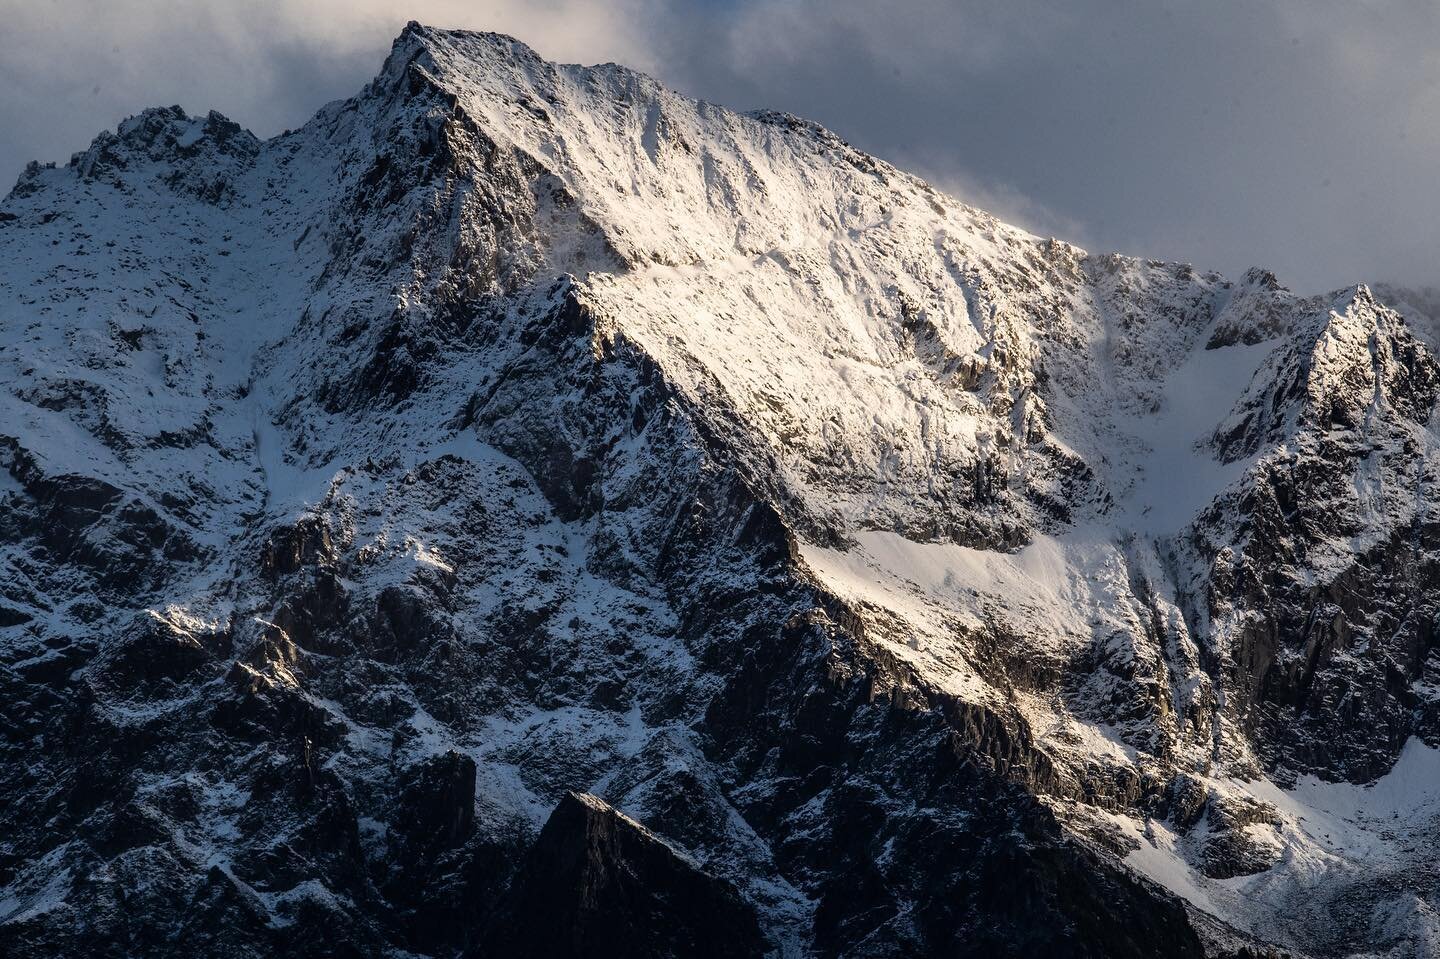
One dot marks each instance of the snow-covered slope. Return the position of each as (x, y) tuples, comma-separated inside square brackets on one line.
[(514, 429)]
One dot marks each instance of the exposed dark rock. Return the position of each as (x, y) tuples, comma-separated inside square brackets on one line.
[(597, 883)]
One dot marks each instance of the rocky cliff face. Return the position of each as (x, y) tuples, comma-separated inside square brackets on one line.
[(888, 580)]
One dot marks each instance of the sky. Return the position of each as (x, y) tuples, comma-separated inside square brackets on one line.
[(1298, 135)]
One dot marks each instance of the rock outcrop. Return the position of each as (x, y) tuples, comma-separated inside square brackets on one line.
[(597, 883)]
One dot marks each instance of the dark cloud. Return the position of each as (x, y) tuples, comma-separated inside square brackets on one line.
[(1298, 134)]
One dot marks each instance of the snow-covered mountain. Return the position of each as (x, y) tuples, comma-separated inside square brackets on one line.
[(526, 511)]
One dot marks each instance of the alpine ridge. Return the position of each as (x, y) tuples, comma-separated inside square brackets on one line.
[(525, 511)]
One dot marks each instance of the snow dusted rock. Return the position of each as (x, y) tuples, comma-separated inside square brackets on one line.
[(1324, 609), (907, 584)]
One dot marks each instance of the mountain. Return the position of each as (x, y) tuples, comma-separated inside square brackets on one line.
[(527, 511)]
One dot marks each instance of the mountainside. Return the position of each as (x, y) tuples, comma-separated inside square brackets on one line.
[(525, 511)]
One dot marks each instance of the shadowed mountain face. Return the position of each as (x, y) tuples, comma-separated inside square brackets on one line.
[(527, 512), (597, 883)]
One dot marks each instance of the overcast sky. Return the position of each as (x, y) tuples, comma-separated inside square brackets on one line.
[(1302, 135)]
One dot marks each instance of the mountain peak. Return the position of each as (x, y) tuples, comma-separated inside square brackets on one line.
[(477, 46)]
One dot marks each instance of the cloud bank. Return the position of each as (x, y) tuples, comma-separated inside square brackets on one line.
[(1296, 134)]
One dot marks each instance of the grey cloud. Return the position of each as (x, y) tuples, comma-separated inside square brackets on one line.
[(70, 68), (1226, 133), (1298, 134)]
